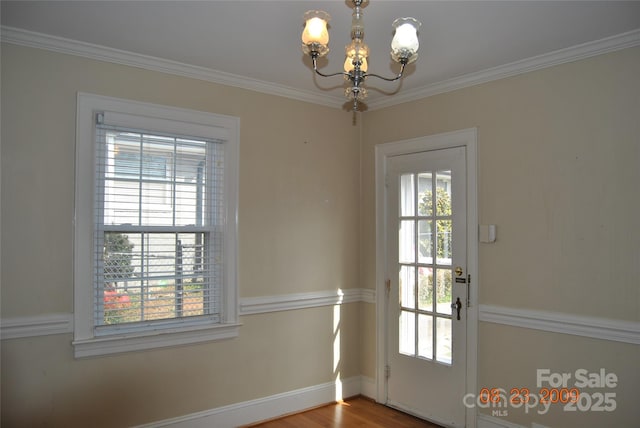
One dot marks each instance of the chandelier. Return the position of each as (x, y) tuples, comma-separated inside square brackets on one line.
[(315, 43)]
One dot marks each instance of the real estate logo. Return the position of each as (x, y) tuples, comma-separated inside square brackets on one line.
[(572, 390)]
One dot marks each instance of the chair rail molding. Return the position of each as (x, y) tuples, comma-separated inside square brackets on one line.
[(60, 323), (556, 322), (39, 325), (285, 302)]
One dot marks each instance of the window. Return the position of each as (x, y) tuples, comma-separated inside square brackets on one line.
[(155, 244)]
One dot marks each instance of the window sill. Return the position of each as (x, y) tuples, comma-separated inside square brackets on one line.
[(108, 345)]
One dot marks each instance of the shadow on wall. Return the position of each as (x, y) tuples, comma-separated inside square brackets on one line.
[(49, 397)]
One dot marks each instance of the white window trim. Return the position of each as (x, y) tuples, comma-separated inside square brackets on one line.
[(162, 119)]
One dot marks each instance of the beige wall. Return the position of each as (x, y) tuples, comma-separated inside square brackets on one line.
[(559, 153), (509, 357), (559, 166), (559, 169), (298, 216)]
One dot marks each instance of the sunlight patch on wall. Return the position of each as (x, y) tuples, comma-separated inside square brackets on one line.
[(336, 346)]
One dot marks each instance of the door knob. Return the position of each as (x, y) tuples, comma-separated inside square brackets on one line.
[(457, 305)]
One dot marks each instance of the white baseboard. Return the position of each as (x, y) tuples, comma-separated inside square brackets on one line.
[(486, 421), (368, 387), (268, 407)]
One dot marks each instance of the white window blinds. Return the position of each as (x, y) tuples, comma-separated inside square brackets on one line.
[(159, 216)]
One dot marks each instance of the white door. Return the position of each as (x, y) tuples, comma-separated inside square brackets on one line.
[(427, 285)]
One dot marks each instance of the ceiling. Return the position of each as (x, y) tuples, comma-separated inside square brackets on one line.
[(258, 42)]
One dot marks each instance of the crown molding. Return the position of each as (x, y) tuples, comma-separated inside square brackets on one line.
[(73, 47), (561, 56), (33, 39)]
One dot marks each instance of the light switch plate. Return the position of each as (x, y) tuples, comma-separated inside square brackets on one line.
[(488, 233)]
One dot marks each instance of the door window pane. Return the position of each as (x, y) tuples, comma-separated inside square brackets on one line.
[(443, 243), (407, 241), (407, 333), (443, 340), (425, 338), (425, 194), (407, 195), (443, 291), (425, 288), (407, 286), (443, 193), (425, 239)]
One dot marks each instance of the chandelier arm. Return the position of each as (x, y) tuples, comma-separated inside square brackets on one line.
[(330, 75), (388, 79), (315, 68)]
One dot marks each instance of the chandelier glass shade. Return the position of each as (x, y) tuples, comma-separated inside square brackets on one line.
[(315, 36), (315, 43)]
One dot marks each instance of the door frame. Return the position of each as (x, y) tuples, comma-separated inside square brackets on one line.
[(463, 138)]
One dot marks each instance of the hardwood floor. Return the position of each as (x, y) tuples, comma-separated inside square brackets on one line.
[(354, 412)]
